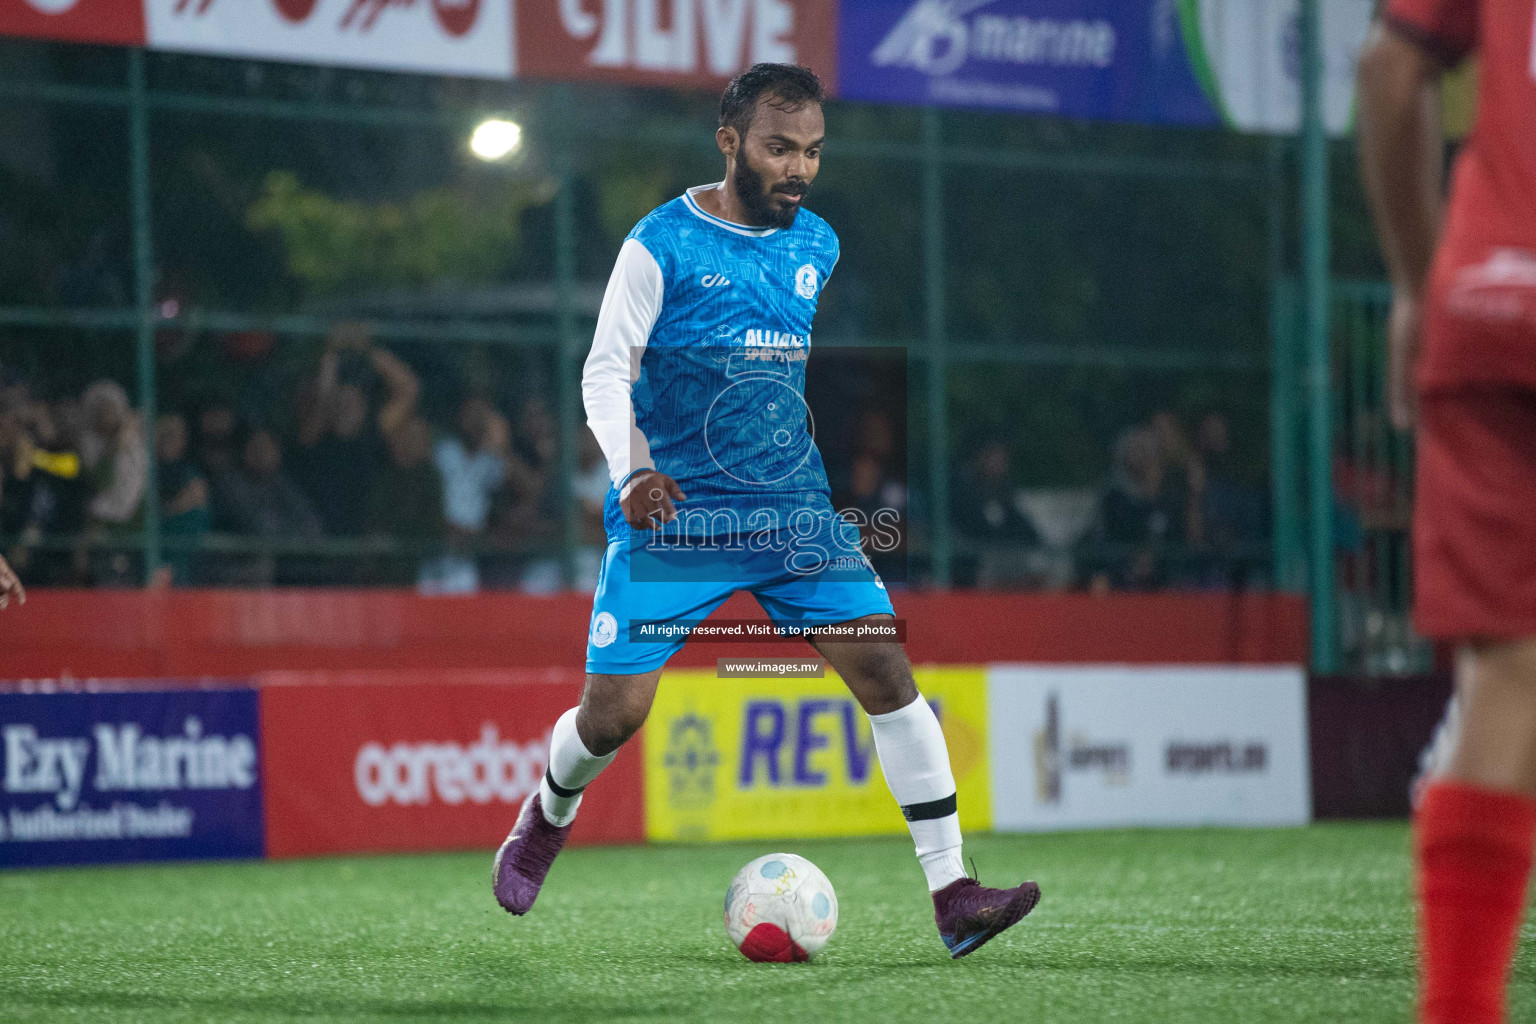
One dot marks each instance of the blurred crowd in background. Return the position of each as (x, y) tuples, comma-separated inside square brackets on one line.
[(1173, 512), (448, 505), (341, 466)]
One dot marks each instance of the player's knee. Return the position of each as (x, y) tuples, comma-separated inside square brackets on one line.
[(892, 695), (607, 728), (882, 680)]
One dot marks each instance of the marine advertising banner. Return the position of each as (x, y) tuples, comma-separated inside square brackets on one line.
[(454, 37), (1187, 62), (782, 758), (1117, 746), (361, 762), (128, 776)]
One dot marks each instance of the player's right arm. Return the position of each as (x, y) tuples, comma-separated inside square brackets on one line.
[(631, 304), (1401, 157), (10, 586)]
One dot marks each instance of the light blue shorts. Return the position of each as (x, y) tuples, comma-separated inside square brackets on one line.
[(815, 579)]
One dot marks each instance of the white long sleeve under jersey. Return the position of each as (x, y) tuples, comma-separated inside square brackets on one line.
[(630, 307)]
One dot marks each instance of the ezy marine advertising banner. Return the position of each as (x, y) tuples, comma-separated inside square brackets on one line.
[(128, 776)]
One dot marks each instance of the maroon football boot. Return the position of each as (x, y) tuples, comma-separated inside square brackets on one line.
[(524, 859), (968, 913)]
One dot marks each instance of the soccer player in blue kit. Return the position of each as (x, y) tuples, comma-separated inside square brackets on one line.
[(695, 390)]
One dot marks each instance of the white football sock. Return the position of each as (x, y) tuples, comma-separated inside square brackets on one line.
[(571, 769), (915, 761)]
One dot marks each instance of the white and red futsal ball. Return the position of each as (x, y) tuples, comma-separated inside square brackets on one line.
[(780, 909)]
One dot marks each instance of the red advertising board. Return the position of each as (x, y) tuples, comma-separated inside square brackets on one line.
[(234, 634), (688, 43), (75, 21), (369, 761)]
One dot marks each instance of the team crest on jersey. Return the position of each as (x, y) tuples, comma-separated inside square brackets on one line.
[(805, 282), (605, 629)]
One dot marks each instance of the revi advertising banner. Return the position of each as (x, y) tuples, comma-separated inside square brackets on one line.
[(1187, 62), (102, 777), (794, 758), (1114, 746)]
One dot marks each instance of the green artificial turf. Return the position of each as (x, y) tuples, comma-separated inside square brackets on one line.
[(1216, 925)]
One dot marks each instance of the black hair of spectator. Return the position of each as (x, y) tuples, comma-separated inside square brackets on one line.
[(210, 398), (245, 429), (787, 86), (977, 438)]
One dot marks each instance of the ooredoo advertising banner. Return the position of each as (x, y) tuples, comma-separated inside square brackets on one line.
[(1092, 747), (361, 762), (458, 37), (99, 777), (672, 42), (1192, 62), (782, 758), (78, 21)]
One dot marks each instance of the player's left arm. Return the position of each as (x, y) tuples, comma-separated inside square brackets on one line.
[(1401, 155), (631, 305), (10, 586)]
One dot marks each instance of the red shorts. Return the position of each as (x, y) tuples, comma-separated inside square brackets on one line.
[(1474, 527)]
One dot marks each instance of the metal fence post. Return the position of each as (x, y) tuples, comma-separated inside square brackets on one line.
[(144, 299), (1285, 463), (1284, 435), (567, 352), (938, 361), (1315, 260)]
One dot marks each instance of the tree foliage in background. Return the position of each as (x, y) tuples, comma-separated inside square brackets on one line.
[(435, 237), (626, 193)]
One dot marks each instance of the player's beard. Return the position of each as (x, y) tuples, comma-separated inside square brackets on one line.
[(764, 212)]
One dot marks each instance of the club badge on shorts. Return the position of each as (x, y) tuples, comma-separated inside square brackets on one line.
[(605, 629)]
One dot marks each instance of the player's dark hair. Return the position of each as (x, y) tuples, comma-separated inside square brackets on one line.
[(788, 86)]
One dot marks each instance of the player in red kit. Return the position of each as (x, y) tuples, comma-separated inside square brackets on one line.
[(1463, 371)]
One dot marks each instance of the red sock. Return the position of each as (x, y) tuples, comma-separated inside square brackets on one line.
[(1473, 851)]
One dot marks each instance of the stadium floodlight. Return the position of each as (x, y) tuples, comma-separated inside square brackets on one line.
[(495, 139)]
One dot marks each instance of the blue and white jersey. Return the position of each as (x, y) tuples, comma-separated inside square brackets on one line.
[(698, 366)]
